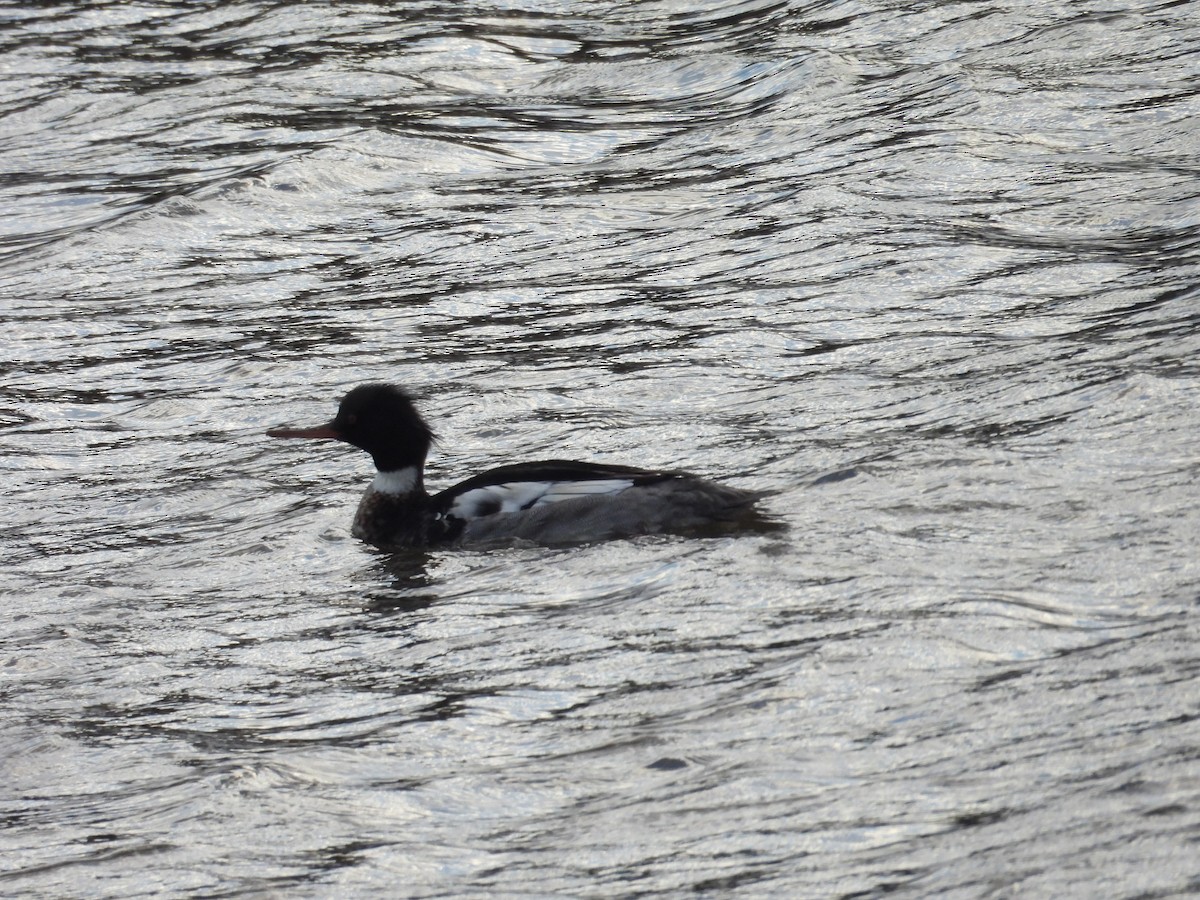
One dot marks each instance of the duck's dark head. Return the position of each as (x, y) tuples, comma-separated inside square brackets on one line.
[(378, 418)]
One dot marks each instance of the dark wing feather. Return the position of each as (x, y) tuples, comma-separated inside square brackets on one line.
[(550, 470)]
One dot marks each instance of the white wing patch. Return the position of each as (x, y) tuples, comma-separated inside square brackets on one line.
[(515, 496)]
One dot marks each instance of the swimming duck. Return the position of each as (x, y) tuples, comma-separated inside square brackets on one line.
[(547, 502)]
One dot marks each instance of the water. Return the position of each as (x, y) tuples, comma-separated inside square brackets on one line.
[(927, 272)]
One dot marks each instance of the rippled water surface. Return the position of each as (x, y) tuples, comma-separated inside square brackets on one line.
[(927, 272)]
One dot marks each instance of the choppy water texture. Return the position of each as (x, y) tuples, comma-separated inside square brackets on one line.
[(929, 272)]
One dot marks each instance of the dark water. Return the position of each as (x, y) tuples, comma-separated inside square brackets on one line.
[(930, 272)]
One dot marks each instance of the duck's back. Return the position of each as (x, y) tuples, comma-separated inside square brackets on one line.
[(561, 501)]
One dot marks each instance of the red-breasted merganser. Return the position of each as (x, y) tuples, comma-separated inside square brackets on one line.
[(549, 502)]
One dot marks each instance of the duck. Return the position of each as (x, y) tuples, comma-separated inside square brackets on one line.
[(553, 501)]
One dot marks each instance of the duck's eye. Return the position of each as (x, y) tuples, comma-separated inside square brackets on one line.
[(352, 419)]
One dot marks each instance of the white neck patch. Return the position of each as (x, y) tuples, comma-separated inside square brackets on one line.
[(401, 482)]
